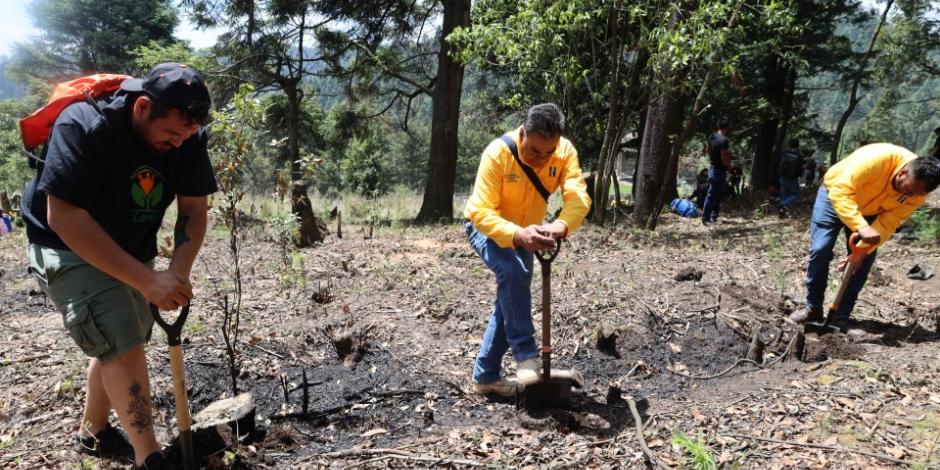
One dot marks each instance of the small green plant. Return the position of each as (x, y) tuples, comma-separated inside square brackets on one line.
[(296, 274), (774, 245), (87, 464), (698, 452), (925, 226), (65, 386), (780, 277), (194, 327), (283, 226)]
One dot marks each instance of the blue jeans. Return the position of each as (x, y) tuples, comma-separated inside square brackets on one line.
[(824, 230), (510, 323), (717, 189), (789, 190)]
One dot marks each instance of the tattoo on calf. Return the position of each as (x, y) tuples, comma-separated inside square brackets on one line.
[(179, 231), (139, 409)]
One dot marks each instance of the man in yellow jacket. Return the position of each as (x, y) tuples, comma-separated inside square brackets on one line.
[(506, 213), (870, 192)]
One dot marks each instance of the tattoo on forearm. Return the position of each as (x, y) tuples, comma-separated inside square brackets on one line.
[(179, 232), (139, 409)]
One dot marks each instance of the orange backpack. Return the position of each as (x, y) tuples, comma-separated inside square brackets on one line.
[(35, 128)]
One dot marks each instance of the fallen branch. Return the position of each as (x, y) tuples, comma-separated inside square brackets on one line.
[(866, 453), (391, 454), (638, 425), (727, 370), (6, 362), (259, 348), (42, 417)]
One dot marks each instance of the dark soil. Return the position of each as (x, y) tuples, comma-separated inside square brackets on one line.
[(386, 328)]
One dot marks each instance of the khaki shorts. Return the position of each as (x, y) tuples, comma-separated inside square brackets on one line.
[(104, 316)]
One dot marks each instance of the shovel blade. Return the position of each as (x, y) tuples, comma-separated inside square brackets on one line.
[(542, 395)]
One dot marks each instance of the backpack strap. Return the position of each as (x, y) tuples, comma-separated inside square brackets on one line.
[(529, 172), (36, 161)]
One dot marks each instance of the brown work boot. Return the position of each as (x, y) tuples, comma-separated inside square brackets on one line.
[(507, 387), (806, 314)]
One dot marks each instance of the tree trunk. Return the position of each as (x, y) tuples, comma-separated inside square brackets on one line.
[(762, 169), (640, 127), (787, 112), (859, 75), (610, 147), (311, 228), (438, 203), (663, 120)]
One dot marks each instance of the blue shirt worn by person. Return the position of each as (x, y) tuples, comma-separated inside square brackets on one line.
[(97, 163)]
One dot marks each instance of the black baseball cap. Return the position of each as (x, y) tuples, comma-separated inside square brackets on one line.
[(173, 84)]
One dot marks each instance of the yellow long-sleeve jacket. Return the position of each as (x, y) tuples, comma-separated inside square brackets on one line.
[(861, 185), (504, 200)]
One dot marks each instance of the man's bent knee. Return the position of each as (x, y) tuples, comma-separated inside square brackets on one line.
[(133, 356)]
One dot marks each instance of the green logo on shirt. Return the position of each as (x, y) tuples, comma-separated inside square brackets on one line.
[(146, 191)]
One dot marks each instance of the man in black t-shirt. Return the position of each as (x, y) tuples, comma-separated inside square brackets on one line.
[(719, 154), (92, 213)]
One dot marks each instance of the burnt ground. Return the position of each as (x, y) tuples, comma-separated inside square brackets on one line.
[(413, 302)]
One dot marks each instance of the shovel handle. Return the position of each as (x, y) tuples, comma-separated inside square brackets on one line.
[(183, 419), (545, 259), (173, 330), (856, 252), (547, 256)]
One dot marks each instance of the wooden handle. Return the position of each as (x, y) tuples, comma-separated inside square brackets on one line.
[(183, 420), (547, 320)]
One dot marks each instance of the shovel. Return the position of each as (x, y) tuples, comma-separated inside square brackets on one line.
[(552, 389), (856, 255), (183, 420)]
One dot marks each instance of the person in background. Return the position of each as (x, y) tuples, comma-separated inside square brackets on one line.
[(701, 187), (734, 178), (809, 169), (719, 154), (789, 170)]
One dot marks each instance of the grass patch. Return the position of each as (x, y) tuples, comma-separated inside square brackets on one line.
[(925, 225), (697, 452)]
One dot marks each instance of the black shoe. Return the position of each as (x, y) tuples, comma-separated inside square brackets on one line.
[(848, 327), (156, 461), (108, 443), (806, 315)]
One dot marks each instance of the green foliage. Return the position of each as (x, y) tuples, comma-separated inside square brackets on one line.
[(362, 166), (86, 36), (156, 52), (14, 170), (282, 226), (925, 224), (544, 51), (235, 132), (698, 452)]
